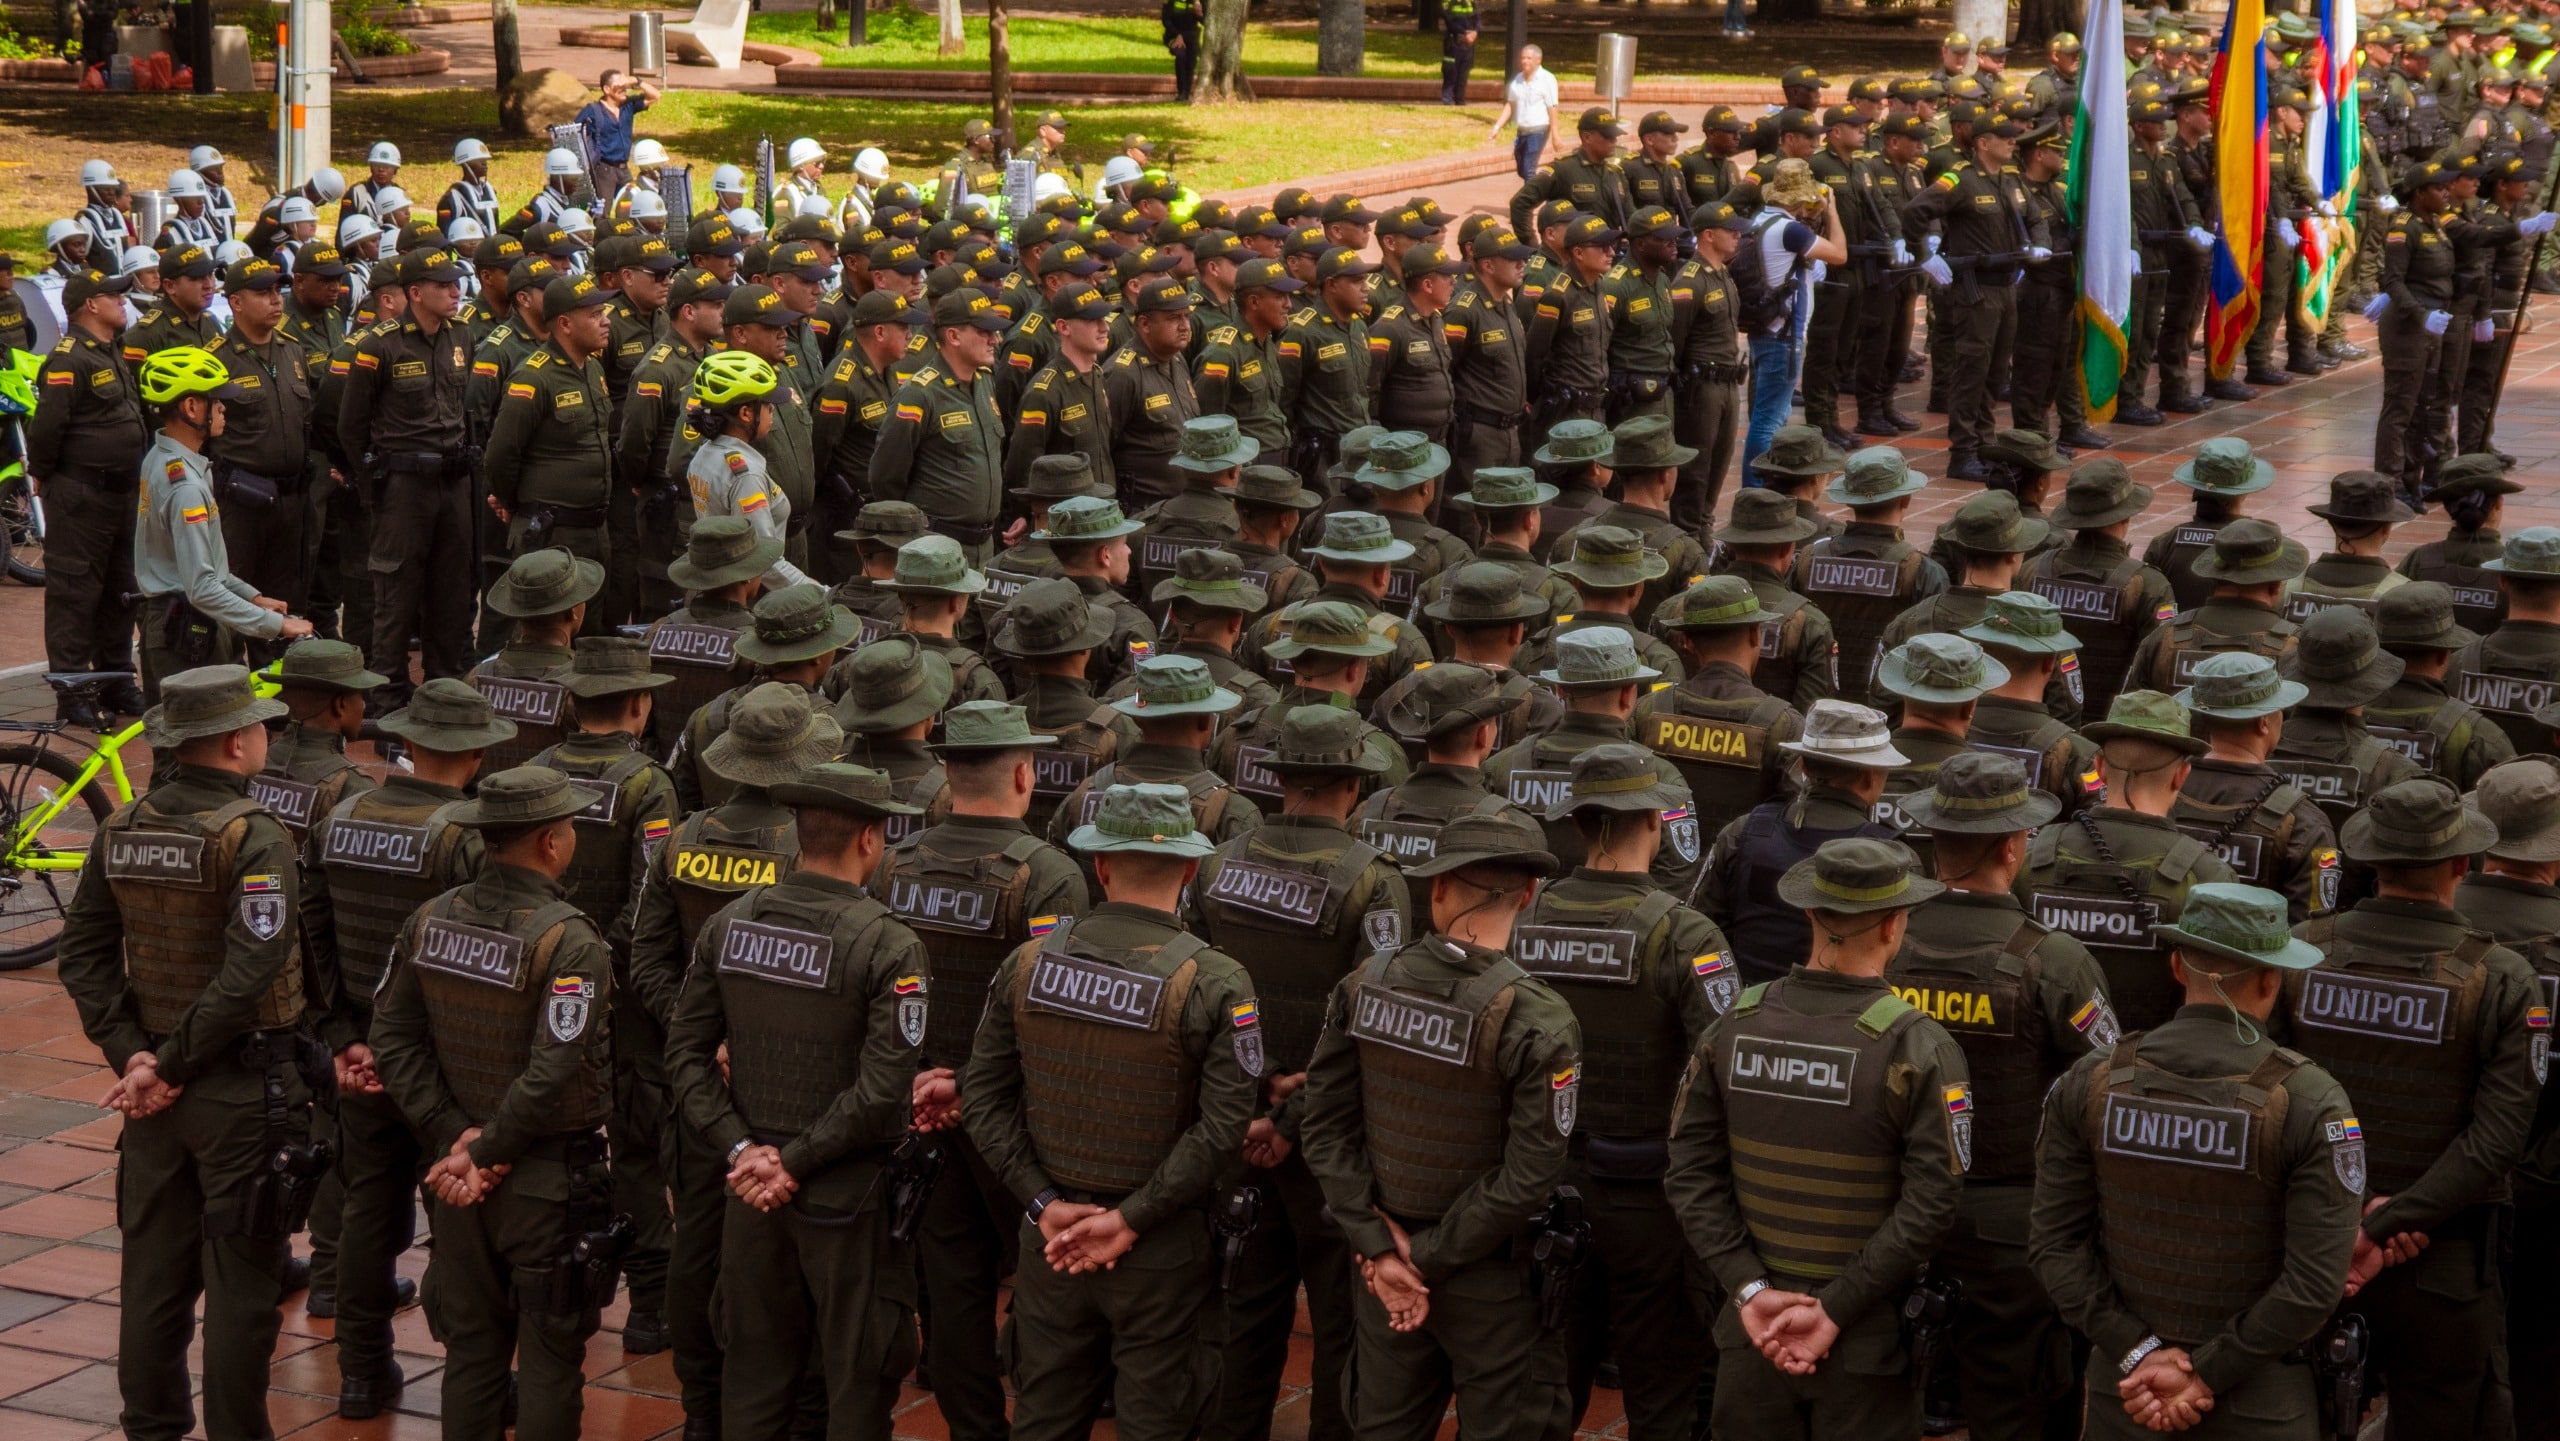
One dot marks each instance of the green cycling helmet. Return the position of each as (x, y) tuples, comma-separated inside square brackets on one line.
[(729, 377), (172, 375)]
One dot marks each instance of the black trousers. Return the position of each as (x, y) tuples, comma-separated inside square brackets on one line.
[(421, 551), (88, 560), (1980, 328), (2409, 356), (1831, 347), (1294, 1241), (2190, 287), (1457, 57), (1706, 416)]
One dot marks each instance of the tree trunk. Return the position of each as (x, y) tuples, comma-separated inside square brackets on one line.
[(1341, 30), (857, 23), (955, 37), (826, 17), (506, 42), (1982, 19), (1000, 69), (1221, 75)]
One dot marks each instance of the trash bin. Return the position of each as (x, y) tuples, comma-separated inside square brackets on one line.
[(1614, 72), (648, 43), (151, 210)]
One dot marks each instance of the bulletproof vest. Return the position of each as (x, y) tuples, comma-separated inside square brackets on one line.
[(539, 707), (1861, 594), (1057, 770), (1720, 747), (2310, 596), (599, 875), (486, 977), (2510, 684), (2428, 127), (2478, 604), (170, 873), (1817, 1147), (970, 911), (2044, 753), (2337, 783), (1294, 920), (1406, 827), (703, 658), (1769, 935), (2113, 908), (1986, 998), (2403, 1039), (2251, 835), (2104, 612), (710, 864), (2190, 641), (2186, 542), (2437, 738), (1107, 1087), (1599, 955), (790, 977), (297, 803), (2191, 1188), (386, 855), (1438, 1109)]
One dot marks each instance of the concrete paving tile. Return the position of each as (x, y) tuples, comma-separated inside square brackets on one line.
[(76, 1271), (24, 1425), (19, 1307), (25, 1370), (87, 1329), (88, 1394), (47, 1166), (60, 1216)]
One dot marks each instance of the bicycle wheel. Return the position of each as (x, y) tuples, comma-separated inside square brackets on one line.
[(22, 529), (32, 902)]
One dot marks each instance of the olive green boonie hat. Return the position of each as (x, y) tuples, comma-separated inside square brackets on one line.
[(1992, 524), (522, 796), (2535, 550), (1330, 627), (1484, 593), (1273, 486), (1401, 460), (724, 550), (603, 665), (1083, 519), (2413, 823), (1155, 819), (1875, 476), (2237, 685), (2147, 715), (1325, 740), (774, 733), (2225, 466), (1170, 686), (2522, 799), (1505, 487), (2022, 621), (1450, 696), (2466, 473), (1619, 776), (2027, 449), (891, 684), (1645, 443), (1978, 793), (1800, 452), (1940, 669), (1493, 841), (1213, 578), (448, 716), (1053, 477), (546, 582), (2239, 923), (2100, 493), (326, 665), (1763, 516), (1857, 876), (934, 565), (2339, 660), (1851, 734), (1719, 602), (2419, 616), (841, 786), (890, 522), (1577, 442), (1357, 537), (1213, 445), (989, 725), (1601, 655), (1051, 617), (1609, 557), (797, 623), (2249, 551), (212, 700)]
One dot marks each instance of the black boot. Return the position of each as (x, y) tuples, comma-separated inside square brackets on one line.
[(2228, 388), (2137, 413), (2179, 402), (361, 1398)]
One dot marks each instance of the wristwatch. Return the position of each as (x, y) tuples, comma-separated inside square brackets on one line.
[(2134, 1357), (738, 1150), (1749, 1289), (1041, 1203)]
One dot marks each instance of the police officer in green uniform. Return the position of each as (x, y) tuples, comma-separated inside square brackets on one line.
[(323, 684), (187, 970), (184, 315), (550, 453), (2447, 1095), (1612, 571), (1506, 503), (1868, 574), (1442, 1094), (547, 594), (1638, 295), (1569, 327), (1211, 457), (942, 446), (2511, 672), (1846, 752), (2239, 805), (1645, 976), (1177, 709), (889, 696), (1589, 178), (1148, 391), (1236, 371), (1404, 477), (2023, 632), (262, 459), (1799, 657), (1645, 463), (84, 446), (1759, 1148), (1090, 537), (2473, 490), (1356, 556), (2197, 1187), (1979, 216), (1410, 384), (936, 587), (1456, 714), (975, 886), (1054, 633), (793, 1050), (2117, 870), (2247, 567), (2325, 748), (2109, 598), (1324, 365), (795, 640), (1299, 903), (1208, 599), (2024, 1003), (1990, 535), (490, 1031), (1937, 680), (1717, 728), (1064, 409), (2446, 737), (1328, 648), (1599, 674), (1130, 1002), (721, 574)]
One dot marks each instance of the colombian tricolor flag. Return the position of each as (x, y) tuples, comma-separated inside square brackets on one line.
[(2240, 141)]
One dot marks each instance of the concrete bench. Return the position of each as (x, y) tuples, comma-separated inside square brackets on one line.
[(718, 30)]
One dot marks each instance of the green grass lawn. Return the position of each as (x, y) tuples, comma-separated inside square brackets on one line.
[(45, 132), (904, 39)]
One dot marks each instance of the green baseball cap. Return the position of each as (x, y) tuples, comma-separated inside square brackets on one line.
[(2024, 622), (796, 623), (1331, 627), (892, 683), (1856, 876), (1600, 655), (1875, 476), (2238, 685), (1938, 669), (1359, 537), (1980, 793), (2239, 923), (1155, 819), (2225, 465), (934, 565), (1176, 685)]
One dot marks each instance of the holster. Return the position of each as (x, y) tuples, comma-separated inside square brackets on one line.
[(588, 1265), (913, 1171), (1637, 385), (274, 1201), (187, 634)]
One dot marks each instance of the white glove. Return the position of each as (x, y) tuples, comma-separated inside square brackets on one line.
[(2037, 255), (2287, 235), (2483, 331), (1938, 271), (2138, 262), (2326, 213), (2538, 224), (2438, 321), (2200, 238), (2386, 202), (1929, 244), (2373, 308), (1901, 252)]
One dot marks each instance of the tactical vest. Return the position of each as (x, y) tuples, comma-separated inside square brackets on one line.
[(971, 911), (709, 865), (2478, 603), (385, 857), (2045, 754), (1294, 921), (2190, 641), (2437, 738), (1107, 1087), (1861, 594), (2509, 689), (486, 980), (297, 803), (171, 877), (703, 658), (1780, 639), (2086, 898), (2309, 596), (2183, 544), (2105, 613), (2337, 786), (1817, 1146), (1600, 956), (1986, 997), (1056, 771), (1769, 935), (2191, 1188), (539, 708), (1720, 747), (1407, 828), (790, 1053), (2404, 1040), (599, 875), (2250, 836), (1438, 1109)]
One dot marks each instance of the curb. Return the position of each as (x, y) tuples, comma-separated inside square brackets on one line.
[(617, 37), (812, 76), (407, 17), (1398, 180), (426, 60), (59, 71)]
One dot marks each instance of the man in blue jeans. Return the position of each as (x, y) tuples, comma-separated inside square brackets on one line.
[(1528, 98), (607, 122), (1773, 273)]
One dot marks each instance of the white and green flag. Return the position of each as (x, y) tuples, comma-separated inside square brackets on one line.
[(2102, 201)]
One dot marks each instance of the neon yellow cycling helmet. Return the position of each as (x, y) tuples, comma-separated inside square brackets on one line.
[(729, 377), (174, 374)]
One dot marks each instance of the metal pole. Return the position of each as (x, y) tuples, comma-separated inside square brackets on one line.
[(1518, 37)]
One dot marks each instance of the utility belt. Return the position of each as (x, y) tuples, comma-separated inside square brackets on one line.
[(587, 1266), (431, 464), (1491, 419), (964, 531), (1715, 372), (126, 482), (274, 1200), (1621, 1158), (1641, 385), (542, 521), (251, 490)]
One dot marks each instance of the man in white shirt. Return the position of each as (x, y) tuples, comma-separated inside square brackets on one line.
[(1530, 100)]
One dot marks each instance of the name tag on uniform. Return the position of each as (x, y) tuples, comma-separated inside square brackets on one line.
[(685, 643), (1576, 953), (1254, 775), (721, 869), (2323, 781), (1492, 335), (166, 856), (1792, 1070), (472, 953), (1054, 773), (777, 953), (2033, 761), (2299, 606), (526, 702), (1403, 840), (2505, 694), (2419, 746), (603, 799), (1329, 352), (1537, 790), (1164, 551), (408, 369), (1074, 986), (2215, 1137), (2195, 535), (1717, 743), (2099, 922), (874, 411), (1293, 896), (376, 846), (944, 905), (287, 799), (1431, 1029), (2371, 1006), (2083, 599), (1158, 401), (1960, 1006), (1853, 575), (567, 399)]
